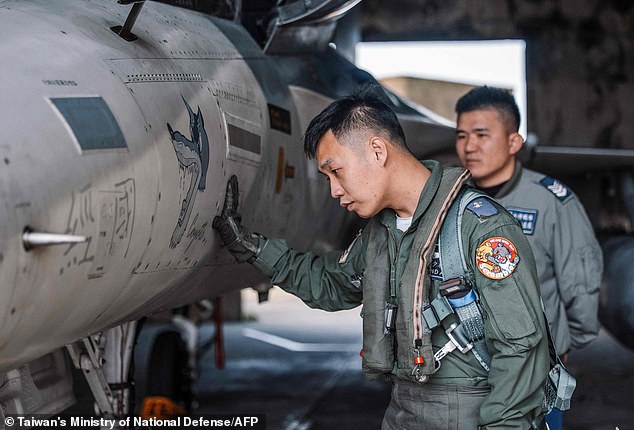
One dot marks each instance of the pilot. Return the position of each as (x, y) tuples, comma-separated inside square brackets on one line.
[(569, 259), (458, 328)]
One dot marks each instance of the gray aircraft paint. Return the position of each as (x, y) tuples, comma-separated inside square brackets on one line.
[(133, 197)]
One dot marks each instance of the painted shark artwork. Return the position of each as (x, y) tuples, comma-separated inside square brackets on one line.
[(193, 156)]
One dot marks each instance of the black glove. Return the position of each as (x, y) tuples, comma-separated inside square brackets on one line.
[(243, 245)]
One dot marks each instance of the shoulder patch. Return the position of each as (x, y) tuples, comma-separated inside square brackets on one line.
[(557, 188), (526, 217), (497, 258), (482, 207)]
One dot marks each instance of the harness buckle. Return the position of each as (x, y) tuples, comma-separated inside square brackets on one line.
[(455, 288), (455, 333), (442, 352), (457, 340)]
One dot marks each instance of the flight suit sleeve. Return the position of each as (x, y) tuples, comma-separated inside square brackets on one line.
[(515, 326), (331, 282), (578, 266)]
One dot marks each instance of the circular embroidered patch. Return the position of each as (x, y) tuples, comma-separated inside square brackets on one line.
[(497, 258)]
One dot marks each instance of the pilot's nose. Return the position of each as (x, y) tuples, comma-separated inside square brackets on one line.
[(336, 190)]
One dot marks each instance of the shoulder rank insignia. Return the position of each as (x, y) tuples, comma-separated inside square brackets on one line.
[(482, 207), (497, 258), (526, 217), (557, 188)]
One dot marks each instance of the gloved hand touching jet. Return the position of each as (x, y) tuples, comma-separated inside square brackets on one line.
[(243, 245)]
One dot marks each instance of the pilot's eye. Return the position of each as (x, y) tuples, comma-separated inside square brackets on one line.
[(335, 172)]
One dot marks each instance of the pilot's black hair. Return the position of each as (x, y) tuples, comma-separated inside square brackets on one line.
[(362, 110), (486, 97)]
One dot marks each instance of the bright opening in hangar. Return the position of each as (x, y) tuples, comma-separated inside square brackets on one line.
[(436, 74)]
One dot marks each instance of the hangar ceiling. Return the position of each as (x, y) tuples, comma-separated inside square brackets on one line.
[(579, 53), (579, 56)]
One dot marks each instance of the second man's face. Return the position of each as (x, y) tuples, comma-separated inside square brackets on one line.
[(486, 147)]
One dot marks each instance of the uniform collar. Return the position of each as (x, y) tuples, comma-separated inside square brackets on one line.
[(511, 183), (388, 216)]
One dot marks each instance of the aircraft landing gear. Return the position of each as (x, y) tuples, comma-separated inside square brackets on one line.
[(105, 360)]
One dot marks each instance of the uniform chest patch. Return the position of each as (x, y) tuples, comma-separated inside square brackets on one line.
[(557, 188), (526, 217), (497, 258)]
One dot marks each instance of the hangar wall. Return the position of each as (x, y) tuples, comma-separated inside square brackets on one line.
[(580, 77)]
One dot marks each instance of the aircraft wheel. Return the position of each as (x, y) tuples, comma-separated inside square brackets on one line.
[(166, 389)]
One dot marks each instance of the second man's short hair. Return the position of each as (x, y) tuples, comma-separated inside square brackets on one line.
[(486, 97)]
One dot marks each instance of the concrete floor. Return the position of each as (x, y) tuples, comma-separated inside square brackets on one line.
[(604, 398), (301, 368)]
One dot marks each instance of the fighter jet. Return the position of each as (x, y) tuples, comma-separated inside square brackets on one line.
[(121, 123), (120, 126)]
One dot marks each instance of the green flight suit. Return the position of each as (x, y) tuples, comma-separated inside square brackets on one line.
[(514, 324)]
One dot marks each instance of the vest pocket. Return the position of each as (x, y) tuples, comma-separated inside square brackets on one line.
[(508, 310), (378, 347), (591, 268)]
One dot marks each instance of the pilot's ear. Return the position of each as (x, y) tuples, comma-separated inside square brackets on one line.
[(378, 150), (516, 141)]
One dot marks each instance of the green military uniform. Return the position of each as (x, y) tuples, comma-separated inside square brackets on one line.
[(510, 394)]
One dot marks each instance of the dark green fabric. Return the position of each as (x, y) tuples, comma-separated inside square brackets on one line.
[(515, 331), (395, 261), (514, 323), (429, 406)]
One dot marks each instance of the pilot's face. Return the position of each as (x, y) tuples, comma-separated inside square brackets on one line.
[(486, 147), (350, 174)]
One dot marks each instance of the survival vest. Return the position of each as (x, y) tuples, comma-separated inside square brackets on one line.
[(394, 351), (405, 350)]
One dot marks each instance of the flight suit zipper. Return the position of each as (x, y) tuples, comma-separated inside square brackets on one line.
[(394, 245)]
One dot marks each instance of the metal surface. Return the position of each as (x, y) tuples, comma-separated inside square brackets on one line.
[(88, 358), (195, 101), (126, 31), (314, 11), (562, 160), (32, 239)]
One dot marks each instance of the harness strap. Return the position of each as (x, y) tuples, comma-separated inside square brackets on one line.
[(473, 323), (454, 267), (421, 335)]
